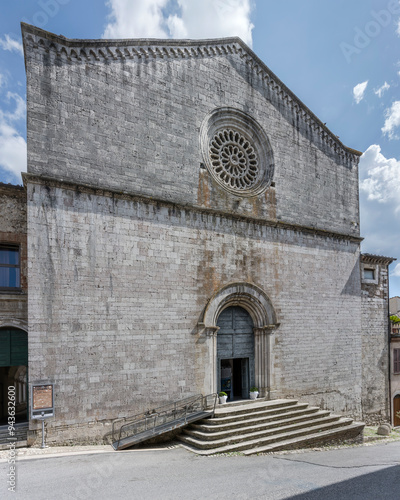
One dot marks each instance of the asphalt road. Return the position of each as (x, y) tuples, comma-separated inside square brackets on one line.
[(371, 472)]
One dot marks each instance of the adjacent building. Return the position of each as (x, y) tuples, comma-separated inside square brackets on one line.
[(13, 299), (376, 332), (394, 309)]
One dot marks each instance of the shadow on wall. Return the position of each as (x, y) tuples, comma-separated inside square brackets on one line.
[(381, 484), (353, 284)]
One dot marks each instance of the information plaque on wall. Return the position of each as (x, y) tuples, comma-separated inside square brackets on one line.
[(42, 401)]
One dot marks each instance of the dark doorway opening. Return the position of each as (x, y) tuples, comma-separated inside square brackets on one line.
[(14, 390), (13, 374), (235, 377)]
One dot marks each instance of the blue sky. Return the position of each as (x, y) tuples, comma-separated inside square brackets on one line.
[(341, 58)]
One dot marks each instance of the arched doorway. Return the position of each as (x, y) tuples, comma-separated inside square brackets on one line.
[(396, 410), (256, 303), (13, 373), (235, 352)]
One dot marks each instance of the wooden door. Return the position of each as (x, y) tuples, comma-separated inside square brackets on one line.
[(396, 411), (235, 340), (13, 347)]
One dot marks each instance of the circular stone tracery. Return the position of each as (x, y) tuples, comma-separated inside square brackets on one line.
[(237, 152), (233, 159)]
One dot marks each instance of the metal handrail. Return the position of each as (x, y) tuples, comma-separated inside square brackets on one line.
[(170, 412)]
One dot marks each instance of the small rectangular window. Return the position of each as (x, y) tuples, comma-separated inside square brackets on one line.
[(369, 274), (396, 360), (9, 267)]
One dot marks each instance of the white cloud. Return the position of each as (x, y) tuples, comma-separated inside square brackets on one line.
[(12, 150), (12, 45), (398, 27), (380, 177), (359, 90), (392, 120), (216, 18), (396, 271), (206, 19), (12, 144), (379, 92), (20, 107), (177, 27), (135, 18)]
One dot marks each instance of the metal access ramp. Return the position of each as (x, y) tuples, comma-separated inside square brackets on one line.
[(128, 431)]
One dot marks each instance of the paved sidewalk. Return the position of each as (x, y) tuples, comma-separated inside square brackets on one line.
[(55, 451)]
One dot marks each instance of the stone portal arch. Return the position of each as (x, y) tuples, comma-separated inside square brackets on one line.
[(256, 302)]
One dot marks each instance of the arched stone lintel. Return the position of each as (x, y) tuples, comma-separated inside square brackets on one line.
[(242, 294), (19, 324)]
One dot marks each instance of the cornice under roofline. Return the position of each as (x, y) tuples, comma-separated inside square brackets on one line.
[(368, 258), (153, 48), (125, 195)]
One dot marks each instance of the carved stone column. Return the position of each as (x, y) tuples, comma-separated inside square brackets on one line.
[(211, 334), (264, 372)]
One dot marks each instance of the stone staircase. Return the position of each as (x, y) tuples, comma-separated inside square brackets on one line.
[(264, 426), (19, 439)]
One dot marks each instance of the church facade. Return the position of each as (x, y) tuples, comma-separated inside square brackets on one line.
[(192, 227)]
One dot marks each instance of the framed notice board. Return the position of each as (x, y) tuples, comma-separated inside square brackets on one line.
[(42, 400)]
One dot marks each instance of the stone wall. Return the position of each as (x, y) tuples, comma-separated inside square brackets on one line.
[(394, 305), (120, 285), (375, 340), (13, 230), (127, 116)]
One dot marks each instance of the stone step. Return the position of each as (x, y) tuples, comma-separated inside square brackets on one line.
[(211, 426), (250, 442), (265, 436), (251, 406), (259, 411), (241, 402), (252, 425), (348, 432), (20, 434), (18, 444)]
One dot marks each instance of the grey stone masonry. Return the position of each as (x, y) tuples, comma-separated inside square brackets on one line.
[(168, 180), (120, 285), (127, 115)]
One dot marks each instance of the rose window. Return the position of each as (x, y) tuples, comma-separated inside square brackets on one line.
[(233, 159), (236, 152)]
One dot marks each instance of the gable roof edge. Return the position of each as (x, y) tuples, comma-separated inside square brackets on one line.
[(100, 49)]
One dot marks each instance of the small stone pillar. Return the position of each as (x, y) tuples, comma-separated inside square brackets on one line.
[(211, 335), (264, 373)]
